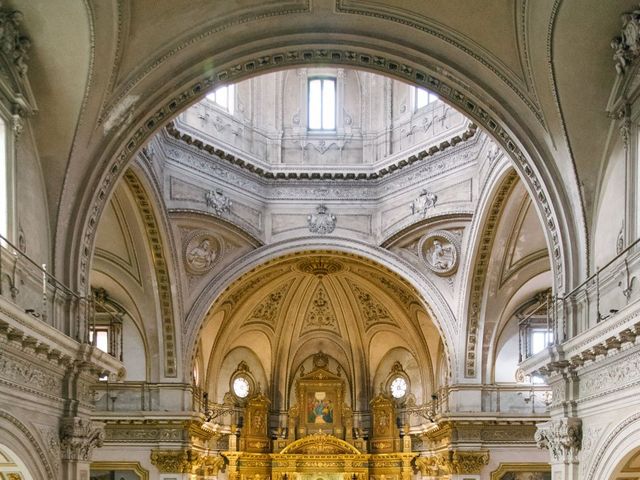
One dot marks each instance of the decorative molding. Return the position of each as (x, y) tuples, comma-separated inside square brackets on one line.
[(134, 467), (153, 230), (26, 373), (186, 461), (295, 57), (485, 245), (13, 44), (268, 310), (78, 437), (322, 222), (562, 437), (373, 312), (453, 462), (320, 314), (535, 471), (27, 432), (263, 171)]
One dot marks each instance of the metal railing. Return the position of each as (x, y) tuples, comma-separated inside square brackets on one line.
[(29, 286), (582, 308)]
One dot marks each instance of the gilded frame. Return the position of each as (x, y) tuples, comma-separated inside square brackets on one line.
[(519, 467), (108, 466)]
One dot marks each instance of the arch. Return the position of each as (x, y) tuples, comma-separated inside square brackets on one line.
[(564, 231), (432, 300), (18, 438), (616, 449), (320, 443)]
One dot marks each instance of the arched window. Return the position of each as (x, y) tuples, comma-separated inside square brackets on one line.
[(322, 103)]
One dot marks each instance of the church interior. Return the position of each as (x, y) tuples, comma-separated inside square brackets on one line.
[(319, 240)]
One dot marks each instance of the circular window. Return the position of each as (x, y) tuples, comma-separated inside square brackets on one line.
[(241, 387), (398, 387)]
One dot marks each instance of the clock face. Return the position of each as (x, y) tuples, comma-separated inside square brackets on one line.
[(398, 387), (241, 387)]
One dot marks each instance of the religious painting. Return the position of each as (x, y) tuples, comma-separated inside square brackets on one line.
[(320, 407)]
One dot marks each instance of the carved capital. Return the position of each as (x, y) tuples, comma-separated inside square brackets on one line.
[(78, 438), (562, 437)]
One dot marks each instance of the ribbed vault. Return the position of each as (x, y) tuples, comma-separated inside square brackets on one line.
[(355, 310)]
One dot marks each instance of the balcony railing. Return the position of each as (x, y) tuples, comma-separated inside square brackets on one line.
[(599, 297), (29, 286)]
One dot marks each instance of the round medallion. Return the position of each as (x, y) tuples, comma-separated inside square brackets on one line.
[(439, 251), (201, 253), (241, 387), (398, 387)]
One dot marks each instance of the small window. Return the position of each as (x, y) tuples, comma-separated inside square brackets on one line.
[(539, 340), (224, 97), (423, 97), (322, 104), (102, 338)]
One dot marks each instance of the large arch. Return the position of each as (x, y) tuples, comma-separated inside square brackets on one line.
[(432, 300), (616, 449), (565, 234)]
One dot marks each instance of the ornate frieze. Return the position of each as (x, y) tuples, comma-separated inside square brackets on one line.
[(28, 374), (562, 437), (322, 222), (453, 462), (78, 437)]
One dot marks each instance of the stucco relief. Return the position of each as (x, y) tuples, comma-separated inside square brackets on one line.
[(322, 222), (217, 201), (202, 251), (439, 251)]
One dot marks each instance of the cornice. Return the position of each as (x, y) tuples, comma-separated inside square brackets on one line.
[(290, 175)]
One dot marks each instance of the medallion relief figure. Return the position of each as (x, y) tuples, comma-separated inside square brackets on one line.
[(201, 253), (439, 251)]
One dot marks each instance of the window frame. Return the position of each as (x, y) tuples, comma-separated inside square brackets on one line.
[(322, 78), (230, 106), (430, 95)]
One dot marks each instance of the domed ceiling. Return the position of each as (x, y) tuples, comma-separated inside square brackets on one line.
[(351, 308)]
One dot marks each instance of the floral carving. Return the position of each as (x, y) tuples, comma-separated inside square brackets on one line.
[(372, 311), (78, 438), (268, 309), (320, 314), (562, 437)]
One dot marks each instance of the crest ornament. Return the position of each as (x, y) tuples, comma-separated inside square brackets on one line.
[(439, 251), (218, 201), (322, 222), (423, 203)]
